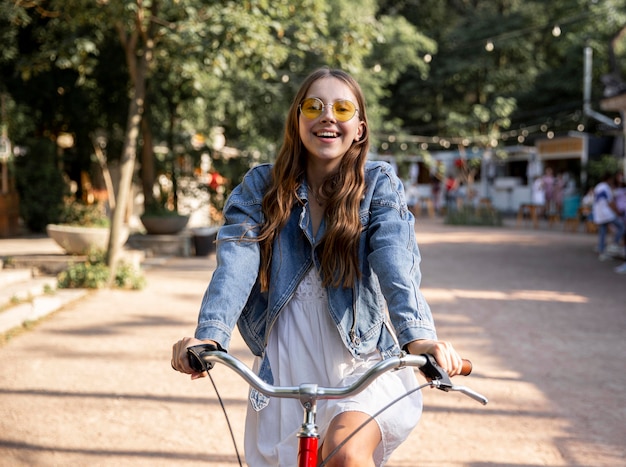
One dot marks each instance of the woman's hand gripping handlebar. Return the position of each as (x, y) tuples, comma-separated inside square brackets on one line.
[(203, 357)]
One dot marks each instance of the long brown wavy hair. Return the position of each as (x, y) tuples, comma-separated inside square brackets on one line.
[(342, 191)]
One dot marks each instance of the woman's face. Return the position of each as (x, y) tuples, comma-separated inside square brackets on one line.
[(325, 138)]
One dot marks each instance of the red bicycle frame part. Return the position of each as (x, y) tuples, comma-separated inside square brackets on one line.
[(307, 451)]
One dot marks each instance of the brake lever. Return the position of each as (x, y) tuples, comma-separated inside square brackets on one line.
[(437, 375)]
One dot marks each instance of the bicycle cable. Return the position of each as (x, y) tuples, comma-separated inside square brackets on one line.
[(230, 428), (339, 446), (362, 425)]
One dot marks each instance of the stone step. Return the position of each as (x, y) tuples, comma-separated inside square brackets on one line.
[(13, 276), (40, 306), (26, 289), (26, 297), (48, 264)]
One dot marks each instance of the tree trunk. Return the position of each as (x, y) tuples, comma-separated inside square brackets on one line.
[(138, 47), (127, 167)]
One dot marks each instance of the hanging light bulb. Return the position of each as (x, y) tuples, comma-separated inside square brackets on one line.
[(556, 30), (489, 46)]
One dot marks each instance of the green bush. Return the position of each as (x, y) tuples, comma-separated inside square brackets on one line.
[(86, 215), (470, 215), (93, 273), (84, 275), (596, 169), (128, 278)]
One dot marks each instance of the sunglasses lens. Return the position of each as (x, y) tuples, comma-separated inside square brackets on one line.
[(344, 110), (313, 108)]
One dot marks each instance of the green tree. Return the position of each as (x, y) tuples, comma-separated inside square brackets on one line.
[(157, 70), (508, 69)]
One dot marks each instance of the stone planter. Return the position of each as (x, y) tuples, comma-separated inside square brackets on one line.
[(164, 225), (78, 240), (204, 240)]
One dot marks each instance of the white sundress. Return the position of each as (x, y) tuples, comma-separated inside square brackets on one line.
[(305, 347)]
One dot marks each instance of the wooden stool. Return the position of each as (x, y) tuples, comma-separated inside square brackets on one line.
[(584, 213), (428, 203), (424, 202), (485, 203), (553, 218), (571, 224), (591, 227), (533, 213)]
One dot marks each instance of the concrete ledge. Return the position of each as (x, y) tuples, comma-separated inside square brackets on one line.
[(26, 289), (46, 264), (40, 306), (162, 245)]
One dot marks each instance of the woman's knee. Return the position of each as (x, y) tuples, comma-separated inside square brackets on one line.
[(349, 458), (351, 440)]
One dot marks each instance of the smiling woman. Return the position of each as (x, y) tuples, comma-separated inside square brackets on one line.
[(315, 262), (328, 130)]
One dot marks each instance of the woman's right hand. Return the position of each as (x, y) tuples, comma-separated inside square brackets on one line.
[(180, 360)]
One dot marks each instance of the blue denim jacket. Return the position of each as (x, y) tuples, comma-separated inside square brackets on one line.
[(388, 255)]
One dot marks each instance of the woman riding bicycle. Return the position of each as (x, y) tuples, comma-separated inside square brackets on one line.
[(319, 268)]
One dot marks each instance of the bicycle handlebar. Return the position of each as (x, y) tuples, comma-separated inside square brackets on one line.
[(203, 357)]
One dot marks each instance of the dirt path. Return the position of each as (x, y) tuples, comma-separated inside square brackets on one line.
[(543, 321)]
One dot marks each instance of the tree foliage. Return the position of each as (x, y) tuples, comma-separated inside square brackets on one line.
[(505, 69), (460, 72)]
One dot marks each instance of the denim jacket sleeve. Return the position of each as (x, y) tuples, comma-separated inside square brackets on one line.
[(238, 259), (395, 258)]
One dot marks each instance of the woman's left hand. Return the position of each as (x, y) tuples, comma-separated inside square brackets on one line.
[(443, 351)]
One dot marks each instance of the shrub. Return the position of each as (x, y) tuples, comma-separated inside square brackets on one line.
[(93, 273), (84, 275), (470, 215), (597, 168), (86, 215)]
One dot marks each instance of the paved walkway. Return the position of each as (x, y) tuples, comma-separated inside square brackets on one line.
[(543, 321)]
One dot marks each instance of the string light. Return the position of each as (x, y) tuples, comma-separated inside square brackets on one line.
[(520, 135), (489, 45), (425, 142)]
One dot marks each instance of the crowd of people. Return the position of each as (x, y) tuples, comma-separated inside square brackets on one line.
[(603, 206), (549, 191)]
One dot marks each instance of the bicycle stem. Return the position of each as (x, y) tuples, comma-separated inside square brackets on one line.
[(308, 437), (308, 400)]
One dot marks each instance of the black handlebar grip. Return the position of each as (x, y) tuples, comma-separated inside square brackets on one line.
[(434, 372), (194, 354)]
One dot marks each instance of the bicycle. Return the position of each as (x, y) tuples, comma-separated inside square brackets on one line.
[(203, 357)]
